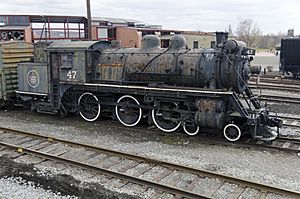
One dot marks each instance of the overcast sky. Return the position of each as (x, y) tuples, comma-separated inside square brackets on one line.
[(272, 16)]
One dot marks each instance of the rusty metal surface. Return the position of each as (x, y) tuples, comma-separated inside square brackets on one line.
[(40, 54), (176, 65), (210, 113)]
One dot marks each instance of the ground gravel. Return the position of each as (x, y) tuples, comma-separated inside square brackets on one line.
[(11, 188), (277, 168)]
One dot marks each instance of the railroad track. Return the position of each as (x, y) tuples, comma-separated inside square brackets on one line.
[(179, 180), (293, 122), (278, 80), (280, 87), (288, 143), (276, 98)]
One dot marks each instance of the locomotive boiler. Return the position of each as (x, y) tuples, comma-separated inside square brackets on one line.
[(176, 65), (168, 87)]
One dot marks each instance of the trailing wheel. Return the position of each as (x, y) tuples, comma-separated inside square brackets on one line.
[(89, 107), (190, 128), (232, 132), (128, 111), (166, 118)]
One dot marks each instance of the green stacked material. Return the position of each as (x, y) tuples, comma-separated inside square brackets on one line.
[(12, 53)]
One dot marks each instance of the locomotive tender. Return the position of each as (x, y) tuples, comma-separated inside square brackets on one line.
[(11, 53), (170, 87)]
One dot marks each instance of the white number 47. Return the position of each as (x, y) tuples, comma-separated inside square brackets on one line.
[(72, 75)]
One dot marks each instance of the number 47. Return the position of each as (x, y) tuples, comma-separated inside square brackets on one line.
[(72, 74)]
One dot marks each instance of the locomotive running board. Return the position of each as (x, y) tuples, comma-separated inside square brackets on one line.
[(150, 88), (31, 93)]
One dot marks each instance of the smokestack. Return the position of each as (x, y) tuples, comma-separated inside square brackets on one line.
[(221, 37), (89, 17)]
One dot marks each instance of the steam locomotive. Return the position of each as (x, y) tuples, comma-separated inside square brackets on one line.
[(168, 87)]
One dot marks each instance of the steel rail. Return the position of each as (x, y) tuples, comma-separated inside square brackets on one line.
[(226, 178), (280, 81), (283, 143), (274, 98), (271, 87), (291, 125), (288, 118), (296, 83), (277, 84)]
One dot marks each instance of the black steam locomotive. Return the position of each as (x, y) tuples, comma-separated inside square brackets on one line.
[(169, 87)]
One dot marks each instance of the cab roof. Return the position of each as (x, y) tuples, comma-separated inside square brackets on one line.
[(76, 45)]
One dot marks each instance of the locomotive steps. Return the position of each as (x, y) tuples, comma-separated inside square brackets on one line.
[(163, 177)]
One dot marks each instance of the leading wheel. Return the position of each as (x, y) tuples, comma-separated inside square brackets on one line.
[(128, 111), (232, 132), (190, 128), (166, 118), (89, 107)]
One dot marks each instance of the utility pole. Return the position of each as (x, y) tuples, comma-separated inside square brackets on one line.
[(89, 17)]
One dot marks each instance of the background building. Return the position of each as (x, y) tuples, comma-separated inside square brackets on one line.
[(34, 28), (130, 32), (194, 39)]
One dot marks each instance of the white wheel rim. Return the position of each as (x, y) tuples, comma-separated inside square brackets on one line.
[(99, 107), (228, 138), (161, 128), (117, 114), (191, 133)]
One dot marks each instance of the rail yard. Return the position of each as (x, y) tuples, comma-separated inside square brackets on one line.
[(117, 160), (149, 160), (100, 107), (203, 153)]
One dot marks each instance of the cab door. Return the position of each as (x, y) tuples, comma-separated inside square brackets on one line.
[(54, 66)]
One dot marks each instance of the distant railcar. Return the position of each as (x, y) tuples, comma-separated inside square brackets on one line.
[(290, 56)]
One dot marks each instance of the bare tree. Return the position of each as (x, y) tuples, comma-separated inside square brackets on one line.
[(270, 40), (248, 31)]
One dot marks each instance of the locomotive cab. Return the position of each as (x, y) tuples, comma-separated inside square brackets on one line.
[(42, 83), (74, 61)]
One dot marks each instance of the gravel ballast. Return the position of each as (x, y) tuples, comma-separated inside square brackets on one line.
[(21, 180), (19, 188), (277, 168)]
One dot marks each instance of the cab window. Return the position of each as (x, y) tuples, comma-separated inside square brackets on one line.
[(67, 60)]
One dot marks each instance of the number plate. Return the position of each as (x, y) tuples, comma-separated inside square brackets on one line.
[(248, 51), (71, 75)]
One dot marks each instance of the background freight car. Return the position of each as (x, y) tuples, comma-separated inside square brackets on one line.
[(290, 56), (11, 53)]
